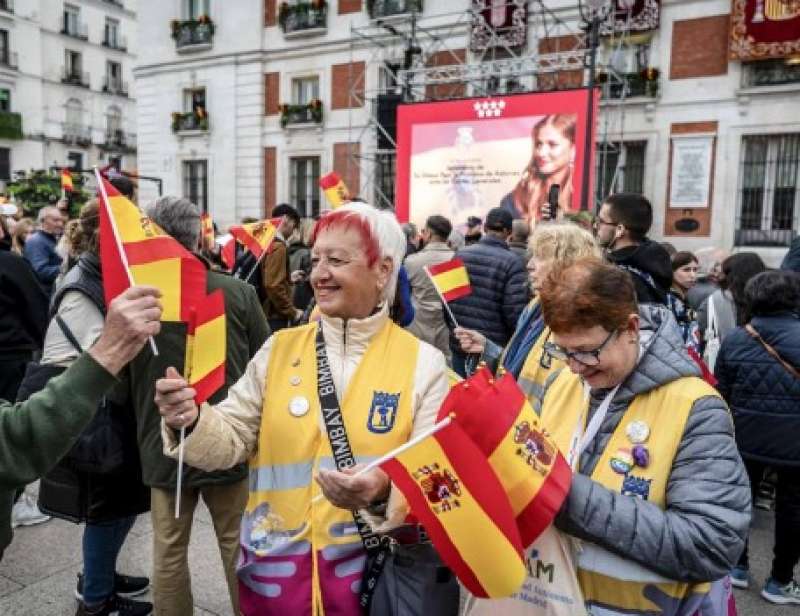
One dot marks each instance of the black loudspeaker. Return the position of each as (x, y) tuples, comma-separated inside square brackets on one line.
[(387, 119)]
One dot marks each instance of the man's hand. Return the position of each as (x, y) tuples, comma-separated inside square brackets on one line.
[(132, 318), (175, 400), (470, 340), (348, 492)]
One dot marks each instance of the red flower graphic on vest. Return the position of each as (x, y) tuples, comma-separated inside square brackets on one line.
[(536, 450), (440, 486)]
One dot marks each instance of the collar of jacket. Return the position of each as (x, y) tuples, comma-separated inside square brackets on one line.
[(354, 334), (436, 246), (494, 241)]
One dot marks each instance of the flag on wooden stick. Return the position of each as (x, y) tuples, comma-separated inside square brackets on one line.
[(450, 279), (256, 236), (335, 189)]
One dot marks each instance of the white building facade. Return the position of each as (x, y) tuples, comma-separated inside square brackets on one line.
[(242, 105), (66, 87)]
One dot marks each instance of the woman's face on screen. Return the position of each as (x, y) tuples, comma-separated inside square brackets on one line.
[(552, 151)]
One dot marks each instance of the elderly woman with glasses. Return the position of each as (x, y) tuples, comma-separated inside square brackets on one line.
[(314, 401), (660, 498)]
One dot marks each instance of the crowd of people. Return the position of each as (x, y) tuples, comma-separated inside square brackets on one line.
[(669, 380)]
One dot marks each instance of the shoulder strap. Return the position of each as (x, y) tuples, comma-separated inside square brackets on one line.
[(68, 333), (787, 366)]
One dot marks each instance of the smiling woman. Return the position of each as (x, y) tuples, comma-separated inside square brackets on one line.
[(648, 430), (372, 377)]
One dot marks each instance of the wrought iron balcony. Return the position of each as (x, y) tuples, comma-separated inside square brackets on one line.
[(75, 78), (189, 121), (304, 17), (10, 125), (769, 73), (7, 6), (380, 9), (193, 34), (310, 113), (9, 60), (630, 85), (77, 134), (120, 43), (75, 29), (115, 86), (118, 139)]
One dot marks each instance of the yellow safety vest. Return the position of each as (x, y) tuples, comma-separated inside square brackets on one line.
[(299, 556), (613, 585)]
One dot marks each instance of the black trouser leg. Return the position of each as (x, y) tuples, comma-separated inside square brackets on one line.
[(787, 524), (755, 471)]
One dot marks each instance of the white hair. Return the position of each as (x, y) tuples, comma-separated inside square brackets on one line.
[(390, 238), (46, 211)]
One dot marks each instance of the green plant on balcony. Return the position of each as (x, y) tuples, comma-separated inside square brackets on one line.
[(190, 120), (303, 15), (310, 112), (192, 31), (10, 125)]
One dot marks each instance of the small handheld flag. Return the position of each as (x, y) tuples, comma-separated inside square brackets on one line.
[(335, 189), (66, 181), (256, 236), (205, 347), (451, 281), (207, 230)]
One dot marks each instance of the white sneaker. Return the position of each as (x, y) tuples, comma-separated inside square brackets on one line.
[(26, 513)]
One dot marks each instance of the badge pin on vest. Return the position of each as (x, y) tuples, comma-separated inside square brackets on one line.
[(295, 380), (298, 406)]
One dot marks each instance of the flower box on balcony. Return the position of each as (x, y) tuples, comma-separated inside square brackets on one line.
[(303, 18), (643, 84), (310, 113), (189, 121), (193, 34), (381, 9)]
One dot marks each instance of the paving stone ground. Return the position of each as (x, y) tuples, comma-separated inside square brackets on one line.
[(37, 574)]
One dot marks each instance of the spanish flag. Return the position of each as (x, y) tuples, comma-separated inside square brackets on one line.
[(450, 279), (205, 346), (256, 236), (456, 496), (207, 229), (134, 250), (499, 419), (335, 189), (66, 181)]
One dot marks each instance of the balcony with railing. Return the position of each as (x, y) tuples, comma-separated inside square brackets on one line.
[(75, 77), (76, 134), (118, 139), (120, 43), (193, 34), (75, 29), (190, 121), (643, 84), (381, 9), (294, 115), (115, 86), (303, 18), (770, 73), (9, 60), (10, 125), (7, 6)]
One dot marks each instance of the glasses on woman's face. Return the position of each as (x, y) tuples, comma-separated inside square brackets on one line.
[(587, 358)]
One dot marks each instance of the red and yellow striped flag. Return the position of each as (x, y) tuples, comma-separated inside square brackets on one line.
[(450, 279), (500, 420), (134, 250), (207, 230), (256, 236), (66, 181), (456, 496), (205, 347), (335, 189)]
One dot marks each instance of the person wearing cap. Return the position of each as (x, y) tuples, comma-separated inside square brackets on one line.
[(499, 288)]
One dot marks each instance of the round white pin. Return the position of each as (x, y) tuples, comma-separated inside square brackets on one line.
[(295, 380), (637, 432), (298, 406)]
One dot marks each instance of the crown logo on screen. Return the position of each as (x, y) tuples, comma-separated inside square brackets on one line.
[(489, 109)]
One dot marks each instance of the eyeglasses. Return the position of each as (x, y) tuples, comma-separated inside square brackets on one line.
[(599, 221), (587, 358)]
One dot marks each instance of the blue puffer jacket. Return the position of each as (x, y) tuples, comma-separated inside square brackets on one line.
[(499, 291), (764, 397)]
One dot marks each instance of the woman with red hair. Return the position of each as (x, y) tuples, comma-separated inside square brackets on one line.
[(356, 380)]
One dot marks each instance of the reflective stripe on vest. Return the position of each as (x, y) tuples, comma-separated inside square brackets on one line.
[(300, 557)]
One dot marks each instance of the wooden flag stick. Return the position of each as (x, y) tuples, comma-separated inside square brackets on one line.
[(444, 301), (179, 483), (396, 452), (117, 239)]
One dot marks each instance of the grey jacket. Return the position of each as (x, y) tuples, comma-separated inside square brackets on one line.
[(700, 535)]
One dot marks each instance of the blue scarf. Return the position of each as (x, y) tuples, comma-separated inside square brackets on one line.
[(529, 327)]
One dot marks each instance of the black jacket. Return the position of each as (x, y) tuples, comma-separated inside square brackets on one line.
[(791, 262), (650, 267), (499, 291), (764, 397), (23, 306)]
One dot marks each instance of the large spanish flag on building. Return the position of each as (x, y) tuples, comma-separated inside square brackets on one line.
[(135, 250), (499, 419), (256, 236), (204, 366), (456, 496), (336, 191), (450, 279)]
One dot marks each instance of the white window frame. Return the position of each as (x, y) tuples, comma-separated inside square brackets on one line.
[(306, 208), (305, 89)]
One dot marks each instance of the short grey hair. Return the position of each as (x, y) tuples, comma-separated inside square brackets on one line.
[(179, 217), (45, 211)]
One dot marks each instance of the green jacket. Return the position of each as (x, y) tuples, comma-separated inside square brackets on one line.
[(35, 434), (246, 332)]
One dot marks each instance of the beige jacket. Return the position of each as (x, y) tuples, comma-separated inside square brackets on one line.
[(227, 434)]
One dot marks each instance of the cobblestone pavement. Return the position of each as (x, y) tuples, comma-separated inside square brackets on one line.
[(37, 574)]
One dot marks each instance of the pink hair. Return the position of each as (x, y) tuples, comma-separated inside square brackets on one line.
[(344, 219)]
